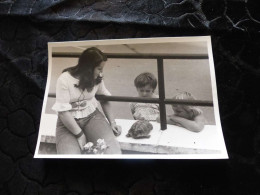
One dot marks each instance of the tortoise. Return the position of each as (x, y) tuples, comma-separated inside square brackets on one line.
[(140, 129)]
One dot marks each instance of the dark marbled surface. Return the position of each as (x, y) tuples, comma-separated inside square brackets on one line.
[(27, 26)]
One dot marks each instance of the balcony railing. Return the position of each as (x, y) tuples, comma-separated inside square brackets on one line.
[(162, 101)]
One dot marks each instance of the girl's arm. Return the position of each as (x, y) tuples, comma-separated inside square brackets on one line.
[(168, 120), (195, 125), (69, 122), (106, 106)]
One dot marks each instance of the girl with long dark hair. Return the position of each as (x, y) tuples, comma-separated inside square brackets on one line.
[(79, 120)]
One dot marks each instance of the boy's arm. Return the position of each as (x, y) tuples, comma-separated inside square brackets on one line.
[(135, 115), (168, 120), (132, 108), (195, 125)]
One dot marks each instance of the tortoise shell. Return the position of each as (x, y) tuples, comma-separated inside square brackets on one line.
[(140, 129)]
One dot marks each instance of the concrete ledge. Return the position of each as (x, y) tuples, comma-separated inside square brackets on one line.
[(48, 139), (48, 128), (174, 140)]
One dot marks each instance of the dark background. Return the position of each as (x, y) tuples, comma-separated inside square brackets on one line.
[(27, 26)]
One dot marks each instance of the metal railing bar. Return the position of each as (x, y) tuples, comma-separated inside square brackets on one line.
[(161, 100), (136, 56), (161, 93), (149, 100), (207, 103), (127, 99), (119, 98)]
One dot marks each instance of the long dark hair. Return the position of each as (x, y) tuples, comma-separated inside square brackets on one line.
[(84, 70)]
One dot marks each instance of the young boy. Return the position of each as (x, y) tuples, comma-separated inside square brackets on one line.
[(145, 84)]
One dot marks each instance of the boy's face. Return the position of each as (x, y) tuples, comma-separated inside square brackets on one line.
[(146, 91)]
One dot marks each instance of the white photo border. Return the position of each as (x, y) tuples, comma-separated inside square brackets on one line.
[(222, 155)]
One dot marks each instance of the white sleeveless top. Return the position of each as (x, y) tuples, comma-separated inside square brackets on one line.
[(70, 98)]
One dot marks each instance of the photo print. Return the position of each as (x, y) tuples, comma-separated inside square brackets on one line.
[(152, 98)]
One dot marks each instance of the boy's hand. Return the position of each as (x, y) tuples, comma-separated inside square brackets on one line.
[(116, 129)]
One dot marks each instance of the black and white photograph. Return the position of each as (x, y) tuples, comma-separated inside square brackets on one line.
[(152, 98)]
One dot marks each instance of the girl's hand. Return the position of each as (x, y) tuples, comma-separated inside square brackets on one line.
[(82, 140), (158, 119), (116, 129), (174, 123), (174, 118)]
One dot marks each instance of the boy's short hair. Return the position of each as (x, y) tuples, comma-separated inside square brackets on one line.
[(144, 79)]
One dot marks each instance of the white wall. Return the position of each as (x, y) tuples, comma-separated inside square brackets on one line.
[(185, 75)]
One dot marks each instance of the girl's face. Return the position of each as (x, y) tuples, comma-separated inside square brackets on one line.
[(180, 111), (98, 71), (146, 91)]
